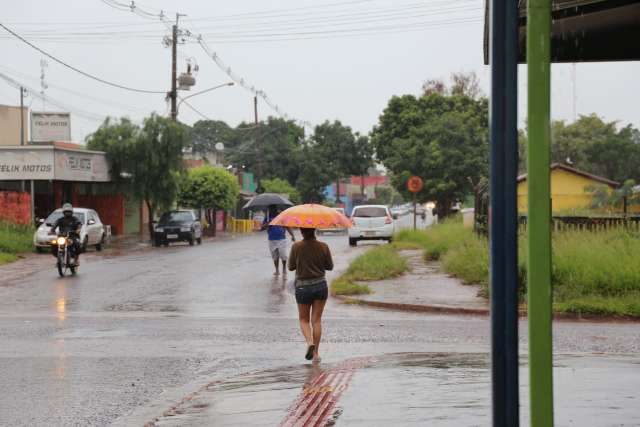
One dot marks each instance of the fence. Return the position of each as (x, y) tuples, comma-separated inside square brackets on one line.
[(240, 225), (566, 223)]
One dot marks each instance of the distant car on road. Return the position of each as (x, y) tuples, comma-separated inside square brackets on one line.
[(371, 222), (177, 226), (92, 232), (333, 230)]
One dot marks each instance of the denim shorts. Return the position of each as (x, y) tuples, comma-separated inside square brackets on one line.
[(309, 293)]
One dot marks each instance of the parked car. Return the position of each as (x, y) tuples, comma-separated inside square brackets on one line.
[(333, 230), (92, 232), (177, 226), (371, 222)]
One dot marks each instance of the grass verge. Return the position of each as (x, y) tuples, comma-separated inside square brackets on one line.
[(381, 262), (593, 272), (14, 239)]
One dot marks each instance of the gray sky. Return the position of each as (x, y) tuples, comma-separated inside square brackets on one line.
[(316, 60)]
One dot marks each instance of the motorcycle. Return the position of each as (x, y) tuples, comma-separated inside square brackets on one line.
[(64, 250)]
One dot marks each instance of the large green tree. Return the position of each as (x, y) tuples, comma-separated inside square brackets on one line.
[(205, 134), (593, 145), (150, 158), (313, 176), (270, 150), (209, 188), (344, 152), (280, 186), (440, 137)]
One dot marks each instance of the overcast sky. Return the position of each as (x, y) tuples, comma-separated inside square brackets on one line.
[(316, 60)]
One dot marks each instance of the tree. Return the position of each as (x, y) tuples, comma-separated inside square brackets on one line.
[(117, 138), (271, 150), (313, 176), (149, 158), (280, 186), (344, 154), (595, 146), (205, 134), (442, 139), (158, 162), (210, 188), (462, 84)]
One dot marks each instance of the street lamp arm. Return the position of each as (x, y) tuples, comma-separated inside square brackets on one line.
[(204, 91)]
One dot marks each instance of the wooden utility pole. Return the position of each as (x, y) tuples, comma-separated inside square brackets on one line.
[(174, 53), (258, 153), (22, 115)]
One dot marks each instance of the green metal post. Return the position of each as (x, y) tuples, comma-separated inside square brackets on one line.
[(539, 227)]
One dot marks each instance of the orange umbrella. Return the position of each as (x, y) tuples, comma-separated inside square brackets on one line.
[(311, 216)]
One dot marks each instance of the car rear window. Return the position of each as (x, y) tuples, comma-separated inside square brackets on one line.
[(176, 217), (369, 212), (55, 215)]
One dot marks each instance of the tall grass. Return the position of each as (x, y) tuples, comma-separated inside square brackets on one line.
[(381, 262), (15, 238), (593, 272)]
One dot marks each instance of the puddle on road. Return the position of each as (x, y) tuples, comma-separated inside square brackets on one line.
[(407, 389)]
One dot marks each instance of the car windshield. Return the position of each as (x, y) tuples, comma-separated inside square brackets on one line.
[(370, 212), (170, 217), (55, 215)]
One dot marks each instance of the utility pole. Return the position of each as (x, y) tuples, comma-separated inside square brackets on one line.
[(174, 53), (258, 154), (22, 90)]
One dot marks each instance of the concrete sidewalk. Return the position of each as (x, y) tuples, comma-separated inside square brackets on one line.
[(424, 288)]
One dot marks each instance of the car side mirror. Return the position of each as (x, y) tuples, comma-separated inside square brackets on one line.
[(91, 222)]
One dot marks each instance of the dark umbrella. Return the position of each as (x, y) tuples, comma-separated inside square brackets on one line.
[(267, 199)]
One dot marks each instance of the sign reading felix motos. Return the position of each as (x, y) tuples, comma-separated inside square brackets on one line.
[(47, 127), (47, 163)]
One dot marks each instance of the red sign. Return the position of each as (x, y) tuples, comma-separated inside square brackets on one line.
[(414, 184)]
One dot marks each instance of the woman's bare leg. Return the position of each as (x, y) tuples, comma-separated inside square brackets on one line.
[(316, 321), (304, 312)]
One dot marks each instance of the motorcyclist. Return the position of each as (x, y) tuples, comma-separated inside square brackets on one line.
[(69, 223)]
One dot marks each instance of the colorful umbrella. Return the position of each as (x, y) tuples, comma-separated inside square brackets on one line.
[(311, 216)]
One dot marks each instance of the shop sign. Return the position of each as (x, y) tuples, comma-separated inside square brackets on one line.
[(47, 127)]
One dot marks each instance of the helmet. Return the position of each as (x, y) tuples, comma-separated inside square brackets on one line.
[(67, 209)]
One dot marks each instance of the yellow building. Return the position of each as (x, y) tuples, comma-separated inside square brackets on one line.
[(567, 188)]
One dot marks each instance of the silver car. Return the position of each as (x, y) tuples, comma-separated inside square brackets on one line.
[(92, 232)]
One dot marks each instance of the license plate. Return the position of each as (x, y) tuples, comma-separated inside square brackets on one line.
[(172, 236), (369, 233)]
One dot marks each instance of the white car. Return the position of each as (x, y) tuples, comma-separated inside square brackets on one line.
[(371, 222), (333, 230), (92, 232)]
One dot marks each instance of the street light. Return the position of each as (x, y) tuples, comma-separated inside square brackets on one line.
[(203, 91)]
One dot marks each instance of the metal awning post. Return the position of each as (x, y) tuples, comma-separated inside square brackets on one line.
[(539, 221), (503, 222)]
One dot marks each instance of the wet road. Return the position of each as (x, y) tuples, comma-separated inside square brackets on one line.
[(208, 326)]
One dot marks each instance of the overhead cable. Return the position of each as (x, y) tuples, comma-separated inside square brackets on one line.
[(71, 67)]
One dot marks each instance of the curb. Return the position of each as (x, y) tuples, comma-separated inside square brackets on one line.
[(446, 309), (422, 308)]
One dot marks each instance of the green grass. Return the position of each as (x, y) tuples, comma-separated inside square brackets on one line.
[(15, 239), (381, 262), (593, 272), (7, 258)]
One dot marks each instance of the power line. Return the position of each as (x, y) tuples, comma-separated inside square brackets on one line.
[(82, 113), (74, 68)]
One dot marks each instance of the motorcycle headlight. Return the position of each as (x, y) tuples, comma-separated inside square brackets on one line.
[(185, 228), (61, 240)]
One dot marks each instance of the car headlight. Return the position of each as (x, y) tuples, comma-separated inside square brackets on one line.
[(159, 229), (185, 228)]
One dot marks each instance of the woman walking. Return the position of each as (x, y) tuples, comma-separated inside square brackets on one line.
[(310, 259)]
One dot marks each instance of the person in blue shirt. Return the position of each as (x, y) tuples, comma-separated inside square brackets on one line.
[(277, 241)]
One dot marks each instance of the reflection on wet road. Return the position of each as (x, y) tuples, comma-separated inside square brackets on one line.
[(184, 335)]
